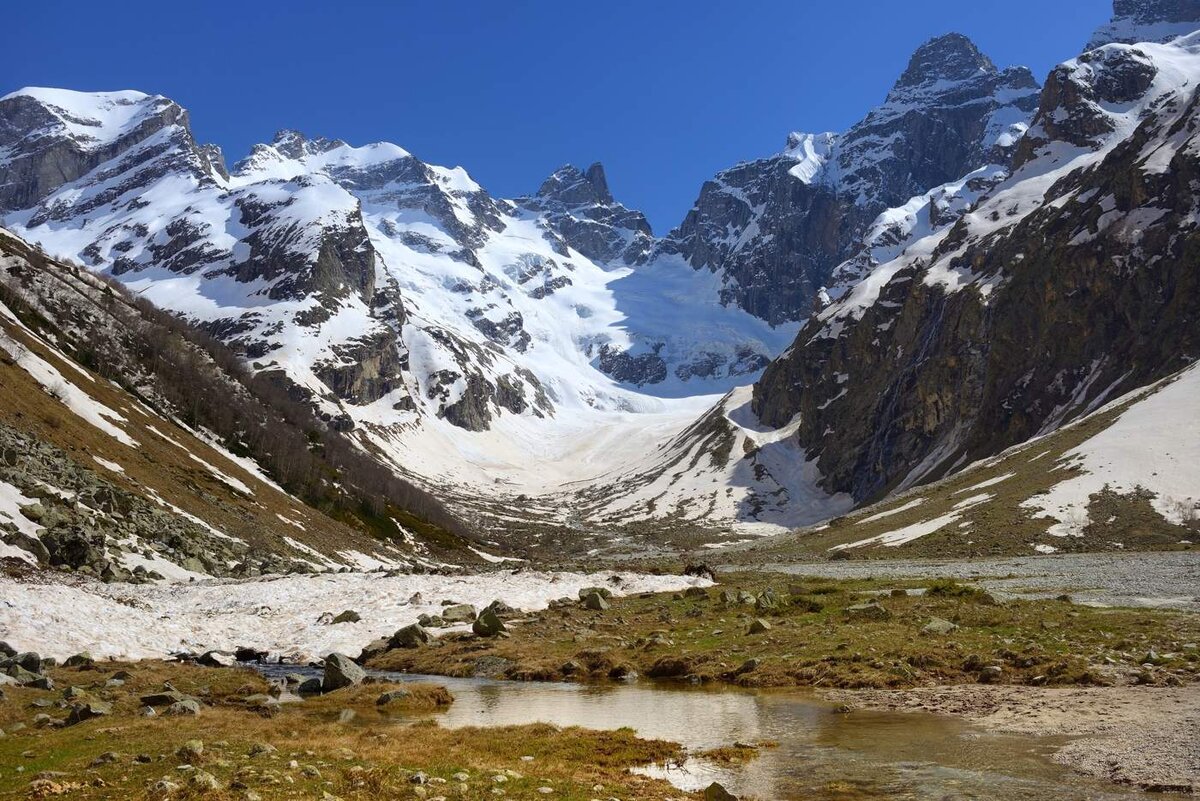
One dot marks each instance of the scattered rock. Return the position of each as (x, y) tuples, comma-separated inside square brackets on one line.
[(488, 624), (188, 707), (411, 636), (348, 616), (459, 613), (939, 625), (88, 710), (80, 660), (391, 695), (191, 751), (715, 792), (595, 601), (341, 671), (309, 687), (759, 626), (217, 659), (871, 610)]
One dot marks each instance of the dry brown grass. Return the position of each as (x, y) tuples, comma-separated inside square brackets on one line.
[(814, 642), (372, 756)]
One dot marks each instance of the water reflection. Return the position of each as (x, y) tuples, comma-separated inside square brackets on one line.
[(820, 753)]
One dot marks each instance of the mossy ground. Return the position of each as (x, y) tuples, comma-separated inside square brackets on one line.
[(373, 756), (814, 641)]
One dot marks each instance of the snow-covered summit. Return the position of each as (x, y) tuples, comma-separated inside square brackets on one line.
[(774, 230), (1147, 21)]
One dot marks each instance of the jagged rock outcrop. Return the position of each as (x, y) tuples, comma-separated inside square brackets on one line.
[(776, 228), (579, 207), (1069, 283)]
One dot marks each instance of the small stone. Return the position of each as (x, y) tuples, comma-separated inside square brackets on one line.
[(186, 707), (759, 626), (868, 611), (390, 696), (348, 616), (204, 782), (191, 751), (938, 626)]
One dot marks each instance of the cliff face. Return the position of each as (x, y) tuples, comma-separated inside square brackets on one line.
[(1068, 283)]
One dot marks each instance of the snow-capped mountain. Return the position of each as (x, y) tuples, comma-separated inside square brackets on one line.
[(364, 274), (1157, 21), (775, 229), (975, 262), (1023, 303)]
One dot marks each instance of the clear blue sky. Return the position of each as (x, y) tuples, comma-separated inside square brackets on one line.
[(664, 92)]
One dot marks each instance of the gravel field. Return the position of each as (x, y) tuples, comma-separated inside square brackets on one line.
[(1149, 579)]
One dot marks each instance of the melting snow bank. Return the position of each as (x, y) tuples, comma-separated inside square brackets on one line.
[(275, 614)]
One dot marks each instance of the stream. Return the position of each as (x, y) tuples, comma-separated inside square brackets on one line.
[(821, 754)]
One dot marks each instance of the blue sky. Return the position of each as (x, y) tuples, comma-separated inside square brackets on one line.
[(664, 92)]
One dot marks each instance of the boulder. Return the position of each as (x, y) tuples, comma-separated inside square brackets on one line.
[(348, 616), (164, 698), (459, 613), (715, 792), (245, 654), (695, 592), (80, 660), (871, 610), (6, 650), (309, 687), (371, 650), (500, 608), (595, 601), (602, 591), (188, 707), (939, 625), (28, 660), (759, 626), (411, 636), (488, 624), (767, 601), (341, 671), (217, 659), (87, 711)]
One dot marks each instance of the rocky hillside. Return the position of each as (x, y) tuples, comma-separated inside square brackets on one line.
[(135, 448), (1045, 295)]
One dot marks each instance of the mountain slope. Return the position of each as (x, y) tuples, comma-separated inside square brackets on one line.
[(107, 421), (1066, 285)]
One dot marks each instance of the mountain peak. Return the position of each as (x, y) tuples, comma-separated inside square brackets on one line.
[(296, 145), (1147, 21), (952, 57), (574, 187)]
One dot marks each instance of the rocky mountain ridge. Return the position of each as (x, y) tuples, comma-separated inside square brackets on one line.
[(1081, 259), (774, 230)]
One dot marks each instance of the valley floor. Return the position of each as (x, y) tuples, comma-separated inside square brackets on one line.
[(1147, 737)]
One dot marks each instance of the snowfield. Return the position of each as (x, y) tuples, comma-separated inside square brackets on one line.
[(279, 615)]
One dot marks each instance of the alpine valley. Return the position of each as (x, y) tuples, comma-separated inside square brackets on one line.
[(328, 474), (981, 266)]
